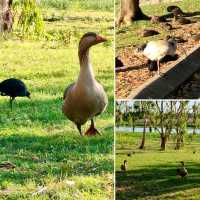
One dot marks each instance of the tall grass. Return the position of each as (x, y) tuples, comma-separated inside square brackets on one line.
[(103, 5)]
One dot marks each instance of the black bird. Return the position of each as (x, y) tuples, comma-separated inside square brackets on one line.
[(118, 62), (13, 88), (152, 65)]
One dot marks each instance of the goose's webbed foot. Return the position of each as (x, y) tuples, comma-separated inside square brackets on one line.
[(92, 130)]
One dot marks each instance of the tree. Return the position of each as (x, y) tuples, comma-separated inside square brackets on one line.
[(181, 112), (163, 120), (195, 117), (6, 19), (30, 20), (118, 114), (130, 11), (146, 108)]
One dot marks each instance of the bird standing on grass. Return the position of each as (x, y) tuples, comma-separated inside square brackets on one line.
[(182, 171), (124, 166), (86, 98), (156, 50), (13, 88)]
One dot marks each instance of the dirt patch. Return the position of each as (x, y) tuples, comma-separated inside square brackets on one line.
[(129, 80)]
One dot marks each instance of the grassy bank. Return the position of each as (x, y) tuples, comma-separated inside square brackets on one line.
[(151, 173), (103, 5)]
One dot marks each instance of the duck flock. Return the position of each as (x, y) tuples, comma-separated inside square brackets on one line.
[(181, 171), (83, 99)]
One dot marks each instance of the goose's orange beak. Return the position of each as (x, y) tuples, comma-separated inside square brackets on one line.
[(100, 39)]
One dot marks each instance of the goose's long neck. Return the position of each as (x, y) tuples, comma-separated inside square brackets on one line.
[(86, 71)]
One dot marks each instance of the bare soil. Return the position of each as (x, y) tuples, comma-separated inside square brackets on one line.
[(130, 80)]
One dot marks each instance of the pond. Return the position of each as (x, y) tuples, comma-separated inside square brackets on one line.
[(138, 129)]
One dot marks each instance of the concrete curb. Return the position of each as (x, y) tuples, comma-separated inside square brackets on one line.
[(160, 87)]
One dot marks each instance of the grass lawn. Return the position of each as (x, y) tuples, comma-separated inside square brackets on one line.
[(46, 148), (128, 35), (151, 173)]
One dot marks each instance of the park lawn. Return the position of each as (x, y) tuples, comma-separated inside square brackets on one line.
[(129, 35), (151, 173), (46, 148)]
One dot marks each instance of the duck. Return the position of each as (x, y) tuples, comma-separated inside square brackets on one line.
[(182, 171), (196, 37), (175, 10), (149, 32), (124, 166), (172, 8), (85, 98), (7, 165), (183, 20), (13, 88), (157, 19), (167, 26), (158, 49)]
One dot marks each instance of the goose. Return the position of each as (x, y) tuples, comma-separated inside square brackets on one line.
[(182, 171), (13, 88), (86, 98), (157, 50), (124, 166)]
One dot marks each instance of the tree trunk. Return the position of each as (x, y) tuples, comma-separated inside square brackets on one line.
[(178, 141), (144, 135), (130, 11), (133, 125), (6, 17), (163, 143)]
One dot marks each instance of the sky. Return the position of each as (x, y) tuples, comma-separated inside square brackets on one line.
[(191, 103)]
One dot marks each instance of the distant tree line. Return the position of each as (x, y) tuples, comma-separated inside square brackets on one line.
[(162, 116)]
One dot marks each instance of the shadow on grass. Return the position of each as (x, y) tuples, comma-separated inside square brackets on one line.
[(154, 181), (59, 156), (46, 112)]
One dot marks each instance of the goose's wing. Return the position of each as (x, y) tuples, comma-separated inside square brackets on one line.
[(67, 89)]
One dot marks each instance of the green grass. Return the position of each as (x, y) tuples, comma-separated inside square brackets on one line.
[(128, 36), (103, 5), (151, 173), (46, 147)]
